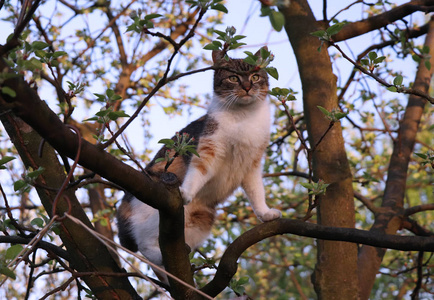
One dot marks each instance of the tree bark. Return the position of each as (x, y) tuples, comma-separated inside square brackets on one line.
[(86, 253), (335, 276), (390, 221)]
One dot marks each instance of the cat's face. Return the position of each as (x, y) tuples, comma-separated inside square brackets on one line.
[(240, 88)]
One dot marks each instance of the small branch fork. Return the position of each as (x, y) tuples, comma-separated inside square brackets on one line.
[(312, 200)]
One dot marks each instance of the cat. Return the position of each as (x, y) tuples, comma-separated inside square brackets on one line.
[(231, 139)]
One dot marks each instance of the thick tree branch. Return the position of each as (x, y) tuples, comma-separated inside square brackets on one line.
[(29, 107), (354, 29), (228, 264)]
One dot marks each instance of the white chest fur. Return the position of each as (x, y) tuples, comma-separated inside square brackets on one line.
[(238, 145)]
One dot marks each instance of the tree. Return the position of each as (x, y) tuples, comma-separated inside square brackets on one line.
[(349, 158)]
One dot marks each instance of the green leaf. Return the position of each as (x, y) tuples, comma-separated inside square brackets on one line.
[(243, 280), (416, 58), (211, 46), (13, 251), (38, 222), (59, 54), (341, 115), (320, 34), (160, 159), (372, 55), (238, 37), (167, 142), (365, 62), (55, 63), (220, 33), (277, 20), (36, 63), (250, 60), (8, 91), (6, 159), (398, 80), (273, 72), (219, 7), (392, 89), (379, 59), (428, 64), (421, 155), (91, 119), (38, 45), (103, 113), (309, 186), (36, 173), (114, 115), (152, 16), (193, 150), (8, 272), (236, 45), (264, 53), (103, 222), (324, 111), (334, 29), (40, 53), (19, 184)]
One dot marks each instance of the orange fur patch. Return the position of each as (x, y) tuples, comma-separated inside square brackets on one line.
[(199, 216), (206, 153)]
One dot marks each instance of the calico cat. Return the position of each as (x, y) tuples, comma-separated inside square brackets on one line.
[(231, 139)]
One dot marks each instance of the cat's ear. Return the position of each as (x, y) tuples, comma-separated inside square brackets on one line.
[(258, 53), (217, 56)]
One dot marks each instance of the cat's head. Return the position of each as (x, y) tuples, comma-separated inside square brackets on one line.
[(236, 83)]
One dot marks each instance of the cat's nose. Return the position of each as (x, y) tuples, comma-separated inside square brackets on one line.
[(247, 87)]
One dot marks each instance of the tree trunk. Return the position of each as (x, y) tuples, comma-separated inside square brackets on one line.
[(389, 221), (335, 276)]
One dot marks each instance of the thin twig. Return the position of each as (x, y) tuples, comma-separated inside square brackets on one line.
[(399, 89), (164, 80)]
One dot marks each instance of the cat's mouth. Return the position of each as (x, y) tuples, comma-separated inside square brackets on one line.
[(245, 99)]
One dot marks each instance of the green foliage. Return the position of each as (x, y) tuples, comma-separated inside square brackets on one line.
[(182, 145), (277, 19), (397, 84), (428, 158), (335, 115), (28, 179), (140, 24), (238, 285), (262, 61), (373, 61), (283, 94), (102, 216), (230, 40), (208, 4), (326, 35), (316, 188), (5, 160)]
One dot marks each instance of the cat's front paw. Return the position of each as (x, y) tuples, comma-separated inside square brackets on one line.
[(270, 215), (186, 196)]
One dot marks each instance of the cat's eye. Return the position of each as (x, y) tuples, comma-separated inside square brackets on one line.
[(255, 77), (233, 78)]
